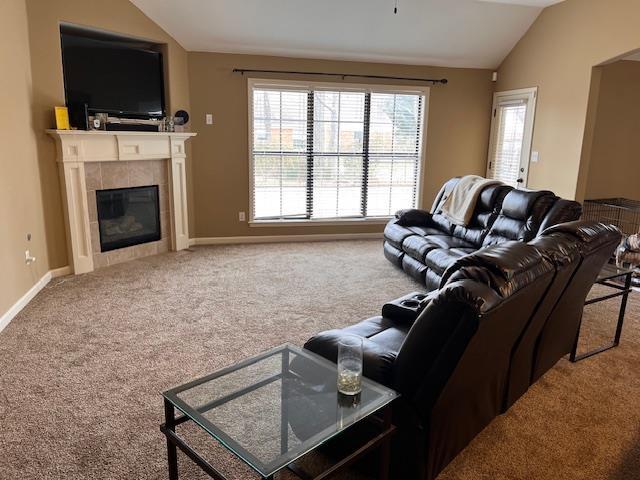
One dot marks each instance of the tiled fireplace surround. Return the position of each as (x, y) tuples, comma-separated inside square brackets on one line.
[(123, 174)]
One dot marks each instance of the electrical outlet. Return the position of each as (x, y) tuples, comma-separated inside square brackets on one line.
[(209, 119), (241, 217)]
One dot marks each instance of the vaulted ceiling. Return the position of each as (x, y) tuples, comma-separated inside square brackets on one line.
[(455, 33)]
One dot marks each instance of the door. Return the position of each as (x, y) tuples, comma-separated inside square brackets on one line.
[(511, 132)]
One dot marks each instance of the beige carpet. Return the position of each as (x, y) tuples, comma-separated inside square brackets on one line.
[(82, 367)]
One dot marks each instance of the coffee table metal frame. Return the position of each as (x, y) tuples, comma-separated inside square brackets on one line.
[(381, 441), (623, 291)]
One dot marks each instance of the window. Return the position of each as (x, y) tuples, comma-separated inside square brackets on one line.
[(322, 152)]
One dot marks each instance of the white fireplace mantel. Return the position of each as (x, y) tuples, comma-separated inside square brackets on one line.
[(77, 147)]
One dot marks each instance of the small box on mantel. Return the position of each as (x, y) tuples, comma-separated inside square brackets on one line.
[(62, 118)]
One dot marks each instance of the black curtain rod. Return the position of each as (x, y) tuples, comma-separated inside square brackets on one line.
[(433, 81)]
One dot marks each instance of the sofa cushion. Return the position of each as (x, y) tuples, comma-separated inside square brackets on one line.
[(521, 215), (486, 211), (489, 202), (395, 234), (561, 212), (424, 231), (417, 246), (393, 254), (414, 267), (440, 259), (447, 241), (519, 204), (442, 223), (477, 230), (432, 280)]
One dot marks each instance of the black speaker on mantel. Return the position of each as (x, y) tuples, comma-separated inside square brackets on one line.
[(181, 117), (79, 115)]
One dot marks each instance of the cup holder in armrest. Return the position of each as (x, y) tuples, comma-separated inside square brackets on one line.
[(410, 303), (406, 308)]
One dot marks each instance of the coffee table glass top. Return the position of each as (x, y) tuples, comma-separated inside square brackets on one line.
[(273, 408)]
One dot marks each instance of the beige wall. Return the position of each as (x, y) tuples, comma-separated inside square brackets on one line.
[(44, 18), (614, 169), (456, 139), (20, 197), (557, 55)]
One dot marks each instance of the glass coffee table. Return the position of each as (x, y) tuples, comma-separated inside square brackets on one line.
[(271, 409)]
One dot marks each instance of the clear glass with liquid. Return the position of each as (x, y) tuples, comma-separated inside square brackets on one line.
[(350, 365)]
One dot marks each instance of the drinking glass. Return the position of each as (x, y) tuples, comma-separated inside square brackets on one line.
[(169, 124), (350, 365)]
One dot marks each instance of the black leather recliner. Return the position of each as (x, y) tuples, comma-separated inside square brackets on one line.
[(425, 244), (504, 315)]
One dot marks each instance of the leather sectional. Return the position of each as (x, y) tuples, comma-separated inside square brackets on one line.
[(425, 244), (503, 315)]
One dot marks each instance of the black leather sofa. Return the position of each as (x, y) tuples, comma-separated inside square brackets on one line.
[(463, 354), (424, 245)]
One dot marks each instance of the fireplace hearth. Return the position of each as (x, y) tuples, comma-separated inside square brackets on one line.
[(128, 216)]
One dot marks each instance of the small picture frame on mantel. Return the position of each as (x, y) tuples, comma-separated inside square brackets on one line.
[(62, 118)]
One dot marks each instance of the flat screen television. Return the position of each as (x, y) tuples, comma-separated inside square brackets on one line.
[(119, 77)]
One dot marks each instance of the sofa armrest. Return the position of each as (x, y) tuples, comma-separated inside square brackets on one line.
[(377, 360), (407, 308), (413, 217)]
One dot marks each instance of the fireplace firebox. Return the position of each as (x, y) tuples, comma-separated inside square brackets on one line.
[(128, 216)]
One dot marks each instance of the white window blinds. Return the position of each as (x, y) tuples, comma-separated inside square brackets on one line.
[(506, 156), (338, 149), (394, 152), (330, 153), (279, 154)]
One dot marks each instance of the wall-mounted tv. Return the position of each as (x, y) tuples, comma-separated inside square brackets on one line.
[(112, 75)]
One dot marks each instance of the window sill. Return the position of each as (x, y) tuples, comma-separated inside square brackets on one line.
[(324, 222)]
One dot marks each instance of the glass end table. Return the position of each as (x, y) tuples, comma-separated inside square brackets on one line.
[(271, 409), (607, 277)]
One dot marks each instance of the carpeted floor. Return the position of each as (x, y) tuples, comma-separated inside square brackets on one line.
[(83, 365)]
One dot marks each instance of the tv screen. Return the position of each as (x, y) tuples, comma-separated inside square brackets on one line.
[(112, 76)]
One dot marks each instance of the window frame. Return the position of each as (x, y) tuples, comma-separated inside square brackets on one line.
[(275, 84)]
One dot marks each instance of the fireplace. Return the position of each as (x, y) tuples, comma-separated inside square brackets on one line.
[(128, 216)]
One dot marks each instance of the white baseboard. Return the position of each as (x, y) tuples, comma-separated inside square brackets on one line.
[(33, 291), (61, 272), (316, 237)]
